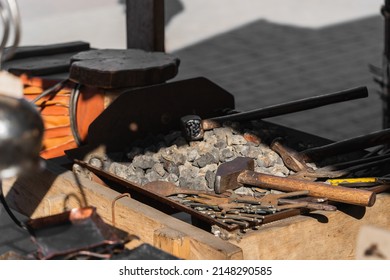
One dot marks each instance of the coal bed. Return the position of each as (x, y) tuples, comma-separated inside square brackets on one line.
[(191, 165)]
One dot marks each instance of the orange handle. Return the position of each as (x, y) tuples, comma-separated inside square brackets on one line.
[(318, 189)]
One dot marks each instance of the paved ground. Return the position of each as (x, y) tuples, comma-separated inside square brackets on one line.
[(264, 58), (263, 63), (262, 52)]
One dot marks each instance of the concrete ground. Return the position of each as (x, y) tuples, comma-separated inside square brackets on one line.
[(263, 52)]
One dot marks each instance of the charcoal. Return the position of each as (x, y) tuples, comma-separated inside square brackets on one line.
[(226, 154), (138, 171), (171, 167), (197, 183), (152, 176), (253, 151), (179, 158), (210, 167), (194, 164), (238, 140), (264, 161), (200, 184), (121, 170), (188, 171), (215, 153), (159, 169), (210, 137), (280, 170), (185, 182), (96, 162), (143, 161), (223, 133), (134, 179), (210, 178), (173, 178), (241, 150), (220, 144), (205, 159), (192, 155)]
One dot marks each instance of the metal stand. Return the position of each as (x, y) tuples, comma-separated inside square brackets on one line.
[(385, 94), (9, 211), (145, 25)]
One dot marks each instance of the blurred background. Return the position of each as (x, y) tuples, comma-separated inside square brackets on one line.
[(103, 22), (264, 52)]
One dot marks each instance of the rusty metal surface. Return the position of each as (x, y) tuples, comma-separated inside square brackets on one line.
[(79, 229)]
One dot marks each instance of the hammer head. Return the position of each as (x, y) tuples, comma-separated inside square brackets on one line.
[(227, 173), (192, 127), (292, 159)]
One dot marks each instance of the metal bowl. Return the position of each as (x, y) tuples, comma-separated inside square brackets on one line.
[(21, 133)]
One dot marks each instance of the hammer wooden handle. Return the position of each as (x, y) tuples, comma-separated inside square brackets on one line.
[(317, 189)]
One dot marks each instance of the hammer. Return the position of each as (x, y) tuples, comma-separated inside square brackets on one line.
[(240, 171), (193, 126)]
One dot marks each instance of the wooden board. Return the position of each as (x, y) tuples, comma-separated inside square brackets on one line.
[(321, 236)]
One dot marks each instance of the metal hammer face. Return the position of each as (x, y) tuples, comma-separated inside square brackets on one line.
[(192, 127), (227, 173)]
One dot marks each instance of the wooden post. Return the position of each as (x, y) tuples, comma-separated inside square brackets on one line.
[(145, 24)]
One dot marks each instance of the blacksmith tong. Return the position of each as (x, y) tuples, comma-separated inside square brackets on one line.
[(193, 126)]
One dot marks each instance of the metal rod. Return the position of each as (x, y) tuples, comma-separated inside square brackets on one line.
[(296, 106), (386, 67)]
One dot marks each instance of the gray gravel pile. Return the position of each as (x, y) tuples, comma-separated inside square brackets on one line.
[(191, 165)]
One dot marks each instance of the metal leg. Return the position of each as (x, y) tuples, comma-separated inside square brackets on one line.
[(9, 211), (145, 25)]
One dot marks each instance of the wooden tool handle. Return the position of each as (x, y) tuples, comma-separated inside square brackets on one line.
[(335, 193)]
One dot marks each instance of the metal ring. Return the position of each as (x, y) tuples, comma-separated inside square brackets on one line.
[(113, 206), (74, 97)]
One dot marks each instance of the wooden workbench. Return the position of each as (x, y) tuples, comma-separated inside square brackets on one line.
[(321, 235)]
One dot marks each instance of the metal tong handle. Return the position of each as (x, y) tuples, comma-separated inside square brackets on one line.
[(296, 106)]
